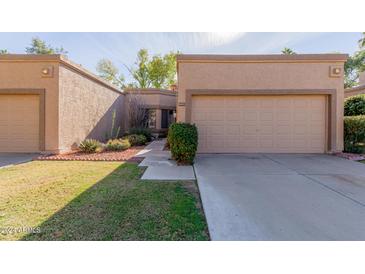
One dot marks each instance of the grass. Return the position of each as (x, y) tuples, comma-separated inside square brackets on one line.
[(96, 201)]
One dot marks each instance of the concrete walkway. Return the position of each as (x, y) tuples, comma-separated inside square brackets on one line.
[(282, 196), (10, 159), (160, 166)]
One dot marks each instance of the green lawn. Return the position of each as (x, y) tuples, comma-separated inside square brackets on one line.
[(95, 201)]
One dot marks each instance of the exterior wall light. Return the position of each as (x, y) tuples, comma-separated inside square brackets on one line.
[(47, 72), (335, 71)]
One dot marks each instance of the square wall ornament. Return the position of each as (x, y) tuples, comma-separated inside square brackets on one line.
[(335, 71), (47, 72)]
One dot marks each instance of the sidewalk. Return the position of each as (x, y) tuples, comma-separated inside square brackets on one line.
[(160, 166)]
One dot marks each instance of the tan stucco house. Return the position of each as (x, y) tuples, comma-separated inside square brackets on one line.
[(50, 104), (263, 103), (240, 103)]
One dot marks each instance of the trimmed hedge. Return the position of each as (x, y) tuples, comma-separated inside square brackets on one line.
[(142, 131), (355, 105), (183, 141), (354, 133)]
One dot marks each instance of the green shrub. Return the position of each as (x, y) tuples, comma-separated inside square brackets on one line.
[(183, 142), (136, 140), (354, 133), (117, 145), (142, 131), (90, 146), (355, 105)]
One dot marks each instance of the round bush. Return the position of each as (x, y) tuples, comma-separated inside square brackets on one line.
[(136, 140), (355, 105), (90, 146), (183, 142), (117, 145), (142, 131)]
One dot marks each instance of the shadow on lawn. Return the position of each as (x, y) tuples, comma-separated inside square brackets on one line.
[(121, 207)]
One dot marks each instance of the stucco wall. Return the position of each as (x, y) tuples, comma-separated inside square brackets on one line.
[(261, 75), (23, 73), (86, 108)]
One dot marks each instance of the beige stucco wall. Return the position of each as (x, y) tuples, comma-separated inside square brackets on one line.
[(86, 108), (261, 74), (24, 73), (78, 104)]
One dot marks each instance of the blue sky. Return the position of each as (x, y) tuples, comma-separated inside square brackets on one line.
[(87, 48)]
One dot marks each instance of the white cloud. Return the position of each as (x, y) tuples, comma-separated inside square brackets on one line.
[(213, 39)]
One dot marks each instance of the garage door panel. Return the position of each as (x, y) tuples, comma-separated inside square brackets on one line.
[(250, 115), (234, 115), (287, 124), (215, 141), (19, 123), (232, 103), (266, 116), (199, 116), (232, 130), (215, 130)]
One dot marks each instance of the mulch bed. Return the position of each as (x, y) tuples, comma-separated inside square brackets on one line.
[(351, 156), (126, 155)]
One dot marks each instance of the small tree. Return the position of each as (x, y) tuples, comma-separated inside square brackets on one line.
[(137, 113), (38, 46), (4, 51)]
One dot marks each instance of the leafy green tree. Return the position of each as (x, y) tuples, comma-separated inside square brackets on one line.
[(108, 71), (38, 46), (4, 51), (147, 72), (362, 41), (162, 70), (354, 65), (140, 72), (156, 72), (288, 51)]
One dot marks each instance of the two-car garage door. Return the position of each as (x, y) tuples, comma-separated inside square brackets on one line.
[(19, 123), (271, 124)]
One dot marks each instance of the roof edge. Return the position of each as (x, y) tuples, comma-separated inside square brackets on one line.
[(62, 59), (357, 88), (262, 58), (150, 91)]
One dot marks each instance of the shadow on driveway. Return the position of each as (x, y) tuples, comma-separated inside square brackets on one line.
[(9, 159)]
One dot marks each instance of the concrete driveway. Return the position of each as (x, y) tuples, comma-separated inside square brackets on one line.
[(9, 159), (282, 196)]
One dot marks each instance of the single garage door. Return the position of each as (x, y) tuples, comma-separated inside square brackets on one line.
[(19, 123), (270, 124)]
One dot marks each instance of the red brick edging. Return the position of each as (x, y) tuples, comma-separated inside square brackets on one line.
[(101, 156)]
